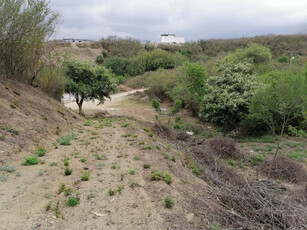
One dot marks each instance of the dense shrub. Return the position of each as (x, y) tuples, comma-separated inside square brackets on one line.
[(117, 65), (283, 59), (228, 97), (99, 59)]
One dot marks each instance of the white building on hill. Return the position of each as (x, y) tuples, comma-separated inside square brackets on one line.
[(76, 40), (171, 39)]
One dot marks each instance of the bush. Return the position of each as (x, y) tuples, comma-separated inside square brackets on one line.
[(227, 100), (159, 175), (168, 202), (41, 151), (73, 201), (85, 175), (117, 65), (283, 59), (32, 160), (99, 59)]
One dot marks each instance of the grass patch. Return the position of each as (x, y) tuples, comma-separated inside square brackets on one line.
[(100, 166), (147, 147), (88, 123), (73, 201), (32, 160), (111, 192), (133, 184), (168, 202), (146, 166), (132, 172), (83, 160), (125, 125), (41, 151), (293, 144), (7, 168), (136, 158), (299, 156), (66, 162), (67, 171), (126, 135), (159, 175), (2, 138), (85, 175), (3, 178), (97, 156), (256, 159), (263, 139), (66, 140)]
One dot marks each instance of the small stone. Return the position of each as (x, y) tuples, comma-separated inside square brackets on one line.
[(190, 218)]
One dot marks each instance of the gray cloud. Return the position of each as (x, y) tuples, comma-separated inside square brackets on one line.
[(193, 19)]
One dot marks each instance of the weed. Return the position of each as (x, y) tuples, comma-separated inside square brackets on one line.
[(136, 158), (125, 125), (3, 178), (85, 175), (7, 168), (66, 162), (18, 174), (53, 164), (111, 192), (264, 139), (146, 166), (41, 151), (97, 156), (66, 140), (32, 160), (132, 172), (114, 166), (256, 159), (141, 143), (44, 117), (126, 135), (168, 202), (16, 92), (100, 166), (73, 201), (88, 123), (120, 188), (293, 144), (147, 147), (231, 162), (14, 132), (159, 175), (61, 188), (40, 173), (57, 210), (146, 129), (170, 167), (67, 171), (150, 134), (133, 184), (104, 157), (121, 177), (83, 160), (298, 155), (2, 138), (14, 104), (67, 191), (48, 206)]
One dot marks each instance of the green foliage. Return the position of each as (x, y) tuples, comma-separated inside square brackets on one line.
[(85, 175), (156, 105), (132, 171), (256, 159), (41, 151), (159, 175), (66, 162), (73, 201), (67, 171), (146, 166), (254, 53), (86, 82), (66, 140), (32, 160), (111, 192), (168, 202), (176, 107), (83, 159), (293, 131), (279, 101), (7, 168), (25, 26), (283, 59), (151, 61), (299, 156), (227, 100), (99, 59), (117, 65)]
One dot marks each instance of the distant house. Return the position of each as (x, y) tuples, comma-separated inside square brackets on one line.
[(76, 40), (171, 39)]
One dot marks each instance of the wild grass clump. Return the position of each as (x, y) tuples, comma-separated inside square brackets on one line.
[(168, 202), (66, 140), (299, 156), (41, 151), (67, 171), (73, 201), (132, 172), (7, 168), (3, 178), (32, 160), (256, 159), (159, 175), (85, 175), (146, 166)]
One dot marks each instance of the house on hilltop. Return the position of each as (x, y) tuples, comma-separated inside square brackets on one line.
[(76, 40), (171, 39)]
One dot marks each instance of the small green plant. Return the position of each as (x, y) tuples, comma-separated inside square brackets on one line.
[(66, 140), (136, 158), (132, 172), (88, 123), (114, 166), (66, 162), (18, 174), (133, 184), (85, 175), (120, 188), (48, 206), (73, 201), (2, 138), (293, 144), (7, 168), (150, 134), (3, 178), (41, 151), (156, 105), (52, 164), (58, 130), (67, 171), (125, 125), (146, 129), (40, 173), (159, 175), (126, 135), (256, 159), (100, 166), (67, 191), (57, 211), (168, 202), (231, 162), (298, 155), (147, 147), (111, 192), (97, 156), (44, 117), (14, 132), (32, 160), (83, 160), (61, 188), (146, 166), (104, 157)]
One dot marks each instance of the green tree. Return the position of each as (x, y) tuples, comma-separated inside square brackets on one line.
[(24, 27), (227, 99), (191, 86), (86, 82), (117, 65), (279, 101)]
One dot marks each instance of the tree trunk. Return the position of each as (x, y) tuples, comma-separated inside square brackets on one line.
[(79, 103)]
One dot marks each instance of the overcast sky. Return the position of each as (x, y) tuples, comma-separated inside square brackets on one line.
[(192, 19)]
